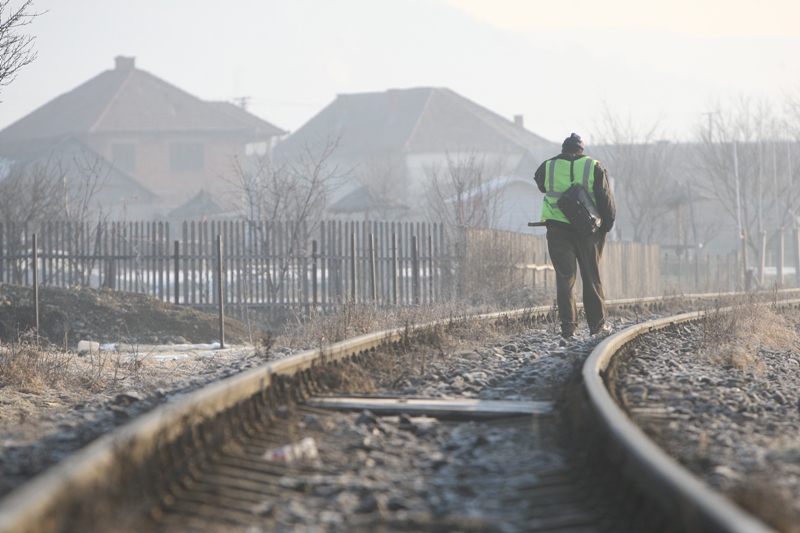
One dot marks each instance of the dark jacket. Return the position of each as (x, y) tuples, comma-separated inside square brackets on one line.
[(602, 192)]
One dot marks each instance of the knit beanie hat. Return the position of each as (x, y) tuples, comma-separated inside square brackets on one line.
[(573, 140)]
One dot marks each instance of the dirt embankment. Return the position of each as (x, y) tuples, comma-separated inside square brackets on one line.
[(69, 315)]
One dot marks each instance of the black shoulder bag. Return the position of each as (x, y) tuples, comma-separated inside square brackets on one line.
[(579, 209)]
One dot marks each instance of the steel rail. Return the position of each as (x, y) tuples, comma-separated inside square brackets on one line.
[(48, 502), (680, 493), (38, 506)]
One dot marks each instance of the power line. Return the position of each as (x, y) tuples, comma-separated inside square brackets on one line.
[(260, 101)]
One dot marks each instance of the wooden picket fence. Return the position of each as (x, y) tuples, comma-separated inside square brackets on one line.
[(628, 269), (292, 266), (279, 264)]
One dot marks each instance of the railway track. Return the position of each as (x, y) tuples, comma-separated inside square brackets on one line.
[(199, 463)]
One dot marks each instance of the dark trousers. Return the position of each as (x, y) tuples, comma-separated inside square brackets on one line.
[(567, 249)]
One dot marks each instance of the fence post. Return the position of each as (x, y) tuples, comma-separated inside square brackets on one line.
[(36, 283), (220, 293), (430, 268), (353, 292), (314, 276), (3, 253), (372, 270), (763, 257), (394, 268), (744, 263), (415, 266), (176, 253), (728, 272), (796, 257), (779, 266)]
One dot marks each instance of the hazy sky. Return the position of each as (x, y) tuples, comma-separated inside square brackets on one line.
[(556, 63)]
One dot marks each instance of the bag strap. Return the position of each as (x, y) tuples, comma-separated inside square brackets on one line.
[(587, 170)]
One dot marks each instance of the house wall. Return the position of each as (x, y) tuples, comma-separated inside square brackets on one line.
[(419, 164), (384, 172), (418, 168), (153, 167), (119, 202), (517, 204)]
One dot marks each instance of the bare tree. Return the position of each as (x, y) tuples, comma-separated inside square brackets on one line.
[(292, 196), (83, 178), (27, 193), (384, 177), (294, 190), (639, 163), (737, 162), (16, 50), (460, 193), (63, 187), (792, 189)]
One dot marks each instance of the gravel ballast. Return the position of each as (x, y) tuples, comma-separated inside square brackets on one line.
[(727, 407), (732, 418)]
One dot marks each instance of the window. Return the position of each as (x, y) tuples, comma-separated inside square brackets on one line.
[(256, 148), (124, 156), (186, 156)]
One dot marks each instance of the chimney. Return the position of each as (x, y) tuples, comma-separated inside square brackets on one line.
[(125, 63), (518, 121)]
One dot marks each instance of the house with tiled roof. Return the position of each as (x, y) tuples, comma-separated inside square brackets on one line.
[(395, 140), (166, 140), (79, 168)]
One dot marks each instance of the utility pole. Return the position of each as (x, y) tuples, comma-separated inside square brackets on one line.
[(791, 183), (742, 234), (760, 205), (242, 101), (778, 221)]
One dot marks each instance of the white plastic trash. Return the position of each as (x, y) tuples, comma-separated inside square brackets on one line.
[(85, 347), (305, 450)]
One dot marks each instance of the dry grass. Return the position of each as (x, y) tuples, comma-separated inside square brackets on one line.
[(733, 338), (771, 503), (388, 368), (419, 359), (421, 353), (27, 366), (353, 319)]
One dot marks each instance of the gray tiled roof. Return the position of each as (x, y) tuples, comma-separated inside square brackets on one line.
[(201, 204), (421, 119), (131, 100), (65, 154), (365, 198)]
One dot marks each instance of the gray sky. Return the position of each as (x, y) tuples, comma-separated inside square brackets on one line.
[(556, 63)]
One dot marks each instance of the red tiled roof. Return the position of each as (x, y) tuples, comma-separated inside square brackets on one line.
[(132, 100)]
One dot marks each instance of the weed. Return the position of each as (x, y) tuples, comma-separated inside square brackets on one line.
[(734, 337), (553, 322), (27, 365), (770, 502), (353, 319)]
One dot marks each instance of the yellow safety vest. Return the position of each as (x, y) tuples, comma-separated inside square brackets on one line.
[(560, 174)]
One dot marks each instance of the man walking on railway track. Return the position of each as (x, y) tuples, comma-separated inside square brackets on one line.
[(567, 247)]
